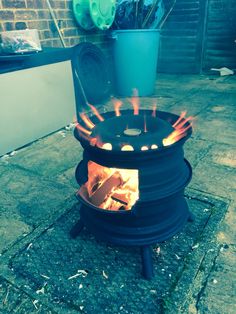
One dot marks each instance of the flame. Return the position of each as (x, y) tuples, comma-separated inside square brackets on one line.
[(117, 104), (181, 117), (92, 140), (87, 121), (181, 125), (154, 110), (181, 128), (82, 129), (127, 148), (110, 188), (135, 101), (97, 114)]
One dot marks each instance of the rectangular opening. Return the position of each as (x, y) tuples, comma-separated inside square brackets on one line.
[(110, 188)]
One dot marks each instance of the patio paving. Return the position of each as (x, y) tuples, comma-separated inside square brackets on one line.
[(195, 271)]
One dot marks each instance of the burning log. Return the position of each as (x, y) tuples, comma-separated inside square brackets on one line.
[(98, 197), (121, 198)]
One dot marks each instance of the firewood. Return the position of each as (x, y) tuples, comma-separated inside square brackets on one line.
[(98, 197), (121, 198)]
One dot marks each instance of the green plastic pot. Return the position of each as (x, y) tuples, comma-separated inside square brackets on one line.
[(94, 13)]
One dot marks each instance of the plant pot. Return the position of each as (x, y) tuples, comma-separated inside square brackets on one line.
[(135, 54)]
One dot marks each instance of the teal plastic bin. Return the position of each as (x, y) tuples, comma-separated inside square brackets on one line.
[(135, 54)]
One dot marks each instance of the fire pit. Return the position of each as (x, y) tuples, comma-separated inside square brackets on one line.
[(132, 177)]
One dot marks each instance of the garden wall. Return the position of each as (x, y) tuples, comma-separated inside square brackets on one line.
[(21, 14)]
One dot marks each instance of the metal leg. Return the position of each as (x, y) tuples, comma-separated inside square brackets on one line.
[(191, 217), (147, 264), (76, 229)]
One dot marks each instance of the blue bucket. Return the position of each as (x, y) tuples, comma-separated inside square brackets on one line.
[(135, 59)]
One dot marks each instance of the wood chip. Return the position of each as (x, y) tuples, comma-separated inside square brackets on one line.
[(104, 274)]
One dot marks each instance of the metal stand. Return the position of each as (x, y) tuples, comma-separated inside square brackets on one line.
[(147, 264), (76, 229)]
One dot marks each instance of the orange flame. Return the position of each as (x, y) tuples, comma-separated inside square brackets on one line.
[(117, 104), (181, 117), (154, 110), (97, 114), (82, 129), (87, 121), (92, 140), (135, 101), (180, 129)]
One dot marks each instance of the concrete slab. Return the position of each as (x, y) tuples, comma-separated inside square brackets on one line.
[(26, 201), (16, 301), (195, 150), (215, 172), (51, 156), (218, 120), (221, 300), (110, 281)]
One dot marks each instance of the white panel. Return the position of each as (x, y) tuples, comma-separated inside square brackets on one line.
[(34, 102)]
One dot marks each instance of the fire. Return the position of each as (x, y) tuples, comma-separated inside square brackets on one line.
[(110, 188), (180, 126), (87, 121), (154, 111), (117, 104), (135, 101), (82, 129), (97, 114)]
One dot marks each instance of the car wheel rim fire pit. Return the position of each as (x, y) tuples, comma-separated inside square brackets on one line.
[(132, 177)]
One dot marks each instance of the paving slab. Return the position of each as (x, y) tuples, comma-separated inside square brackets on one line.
[(215, 172), (179, 86), (195, 150), (217, 121), (26, 201), (13, 300), (222, 84), (110, 281), (50, 156), (221, 300), (199, 102)]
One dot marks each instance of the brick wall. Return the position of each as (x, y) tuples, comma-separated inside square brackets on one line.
[(21, 14)]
